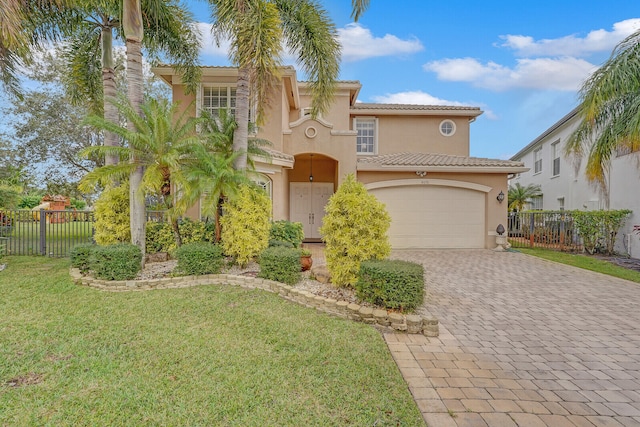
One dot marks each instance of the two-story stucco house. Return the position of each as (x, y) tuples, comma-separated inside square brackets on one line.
[(565, 186), (414, 158)]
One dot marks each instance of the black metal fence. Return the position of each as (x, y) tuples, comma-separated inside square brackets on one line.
[(49, 232), (550, 230), (44, 232)]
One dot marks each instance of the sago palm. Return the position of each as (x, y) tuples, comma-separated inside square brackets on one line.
[(610, 111)]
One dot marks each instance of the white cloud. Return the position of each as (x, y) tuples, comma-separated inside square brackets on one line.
[(414, 98), (209, 45), (563, 74), (418, 97), (359, 43), (572, 45)]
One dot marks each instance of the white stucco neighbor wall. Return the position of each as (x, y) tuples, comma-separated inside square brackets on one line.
[(624, 190), (572, 185)]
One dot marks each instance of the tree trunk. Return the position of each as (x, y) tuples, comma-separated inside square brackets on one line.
[(243, 104), (176, 231), (132, 25), (109, 84)]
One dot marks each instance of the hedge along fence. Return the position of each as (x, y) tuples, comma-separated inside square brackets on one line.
[(575, 231)]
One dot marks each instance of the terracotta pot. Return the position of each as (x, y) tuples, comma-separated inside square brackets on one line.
[(306, 262)]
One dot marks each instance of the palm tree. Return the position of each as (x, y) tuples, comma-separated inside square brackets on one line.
[(610, 111), (90, 49), (519, 196), (257, 30), (210, 176), (21, 29), (358, 8), (161, 142)]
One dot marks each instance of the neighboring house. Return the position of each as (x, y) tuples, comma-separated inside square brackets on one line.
[(414, 158), (565, 186)]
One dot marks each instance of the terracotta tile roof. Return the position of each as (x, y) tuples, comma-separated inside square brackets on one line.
[(279, 155), (435, 160), (372, 106)]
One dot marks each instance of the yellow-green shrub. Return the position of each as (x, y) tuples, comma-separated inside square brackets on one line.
[(354, 229), (246, 224), (112, 216)]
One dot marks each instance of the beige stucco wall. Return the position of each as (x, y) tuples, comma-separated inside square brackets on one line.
[(421, 134), (495, 212)]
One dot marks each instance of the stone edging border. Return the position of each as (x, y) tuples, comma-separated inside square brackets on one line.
[(412, 324)]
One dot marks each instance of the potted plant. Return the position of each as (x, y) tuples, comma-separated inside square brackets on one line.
[(305, 259)]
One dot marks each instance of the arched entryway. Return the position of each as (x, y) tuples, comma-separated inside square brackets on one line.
[(311, 182)]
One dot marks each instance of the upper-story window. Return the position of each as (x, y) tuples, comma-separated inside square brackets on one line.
[(447, 127), (555, 148), (367, 128), (537, 160), (216, 98)]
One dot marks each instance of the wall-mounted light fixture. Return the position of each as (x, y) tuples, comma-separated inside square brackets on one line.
[(500, 197), (310, 167)]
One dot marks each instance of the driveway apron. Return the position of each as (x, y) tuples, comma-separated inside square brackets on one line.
[(523, 342)]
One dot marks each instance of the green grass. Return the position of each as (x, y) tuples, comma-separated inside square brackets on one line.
[(202, 356), (584, 261)]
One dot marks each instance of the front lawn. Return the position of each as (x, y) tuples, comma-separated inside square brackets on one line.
[(584, 261), (207, 356)]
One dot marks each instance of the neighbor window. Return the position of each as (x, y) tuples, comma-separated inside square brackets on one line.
[(537, 160), (536, 203), (447, 127), (555, 148), (366, 139)]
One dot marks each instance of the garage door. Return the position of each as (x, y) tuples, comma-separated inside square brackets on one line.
[(434, 216)]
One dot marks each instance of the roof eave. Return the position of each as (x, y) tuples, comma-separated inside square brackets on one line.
[(449, 169)]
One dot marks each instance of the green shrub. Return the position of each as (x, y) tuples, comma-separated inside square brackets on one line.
[(287, 231), (354, 229), (81, 256), (121, 261), (246, 224), (198, 258), (160, 238), (112, 216), (598, 229), (280, 264), (29, 201), (281, 243), (391, 284)]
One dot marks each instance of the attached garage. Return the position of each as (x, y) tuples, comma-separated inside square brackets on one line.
[(434, 216)]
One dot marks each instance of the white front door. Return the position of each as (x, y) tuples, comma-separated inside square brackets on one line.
[(307, 201)]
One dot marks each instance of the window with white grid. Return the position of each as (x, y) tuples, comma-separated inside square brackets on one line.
[(366, 139), (216, 98)]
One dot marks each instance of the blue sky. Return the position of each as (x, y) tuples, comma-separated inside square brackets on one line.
[(522, 62)]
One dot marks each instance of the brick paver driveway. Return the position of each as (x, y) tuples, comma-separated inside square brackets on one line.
[(523, 342)]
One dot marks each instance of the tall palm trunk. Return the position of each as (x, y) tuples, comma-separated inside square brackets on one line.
[(243, 104), (132, 25), (109, 88)]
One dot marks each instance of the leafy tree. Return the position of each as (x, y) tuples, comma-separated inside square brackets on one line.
[(160, 143), (610, 111), (519, 196), (258, 30)]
